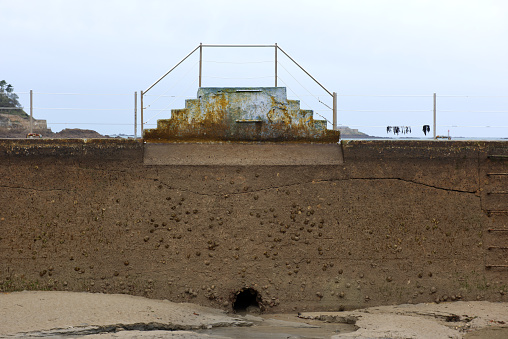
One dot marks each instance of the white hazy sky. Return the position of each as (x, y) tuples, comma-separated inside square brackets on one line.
[(393, 47)]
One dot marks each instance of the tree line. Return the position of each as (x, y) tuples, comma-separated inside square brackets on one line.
[(9, 103)]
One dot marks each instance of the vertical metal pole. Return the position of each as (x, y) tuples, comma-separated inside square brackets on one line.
[(200, 61), (135, 115), (141, 106), (31, 112), (334, 111), (275, 64), (435, 106)]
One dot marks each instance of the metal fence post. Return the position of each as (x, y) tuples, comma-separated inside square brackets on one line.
[(31, 112), (434, 119), (135, 115), (275, 64), (141, 106), (200, 61), (334, 111)]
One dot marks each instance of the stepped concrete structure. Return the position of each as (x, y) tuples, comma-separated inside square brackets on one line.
[(242, 114), (242, 126)]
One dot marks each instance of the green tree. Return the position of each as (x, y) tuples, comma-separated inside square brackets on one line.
[(9, 99)]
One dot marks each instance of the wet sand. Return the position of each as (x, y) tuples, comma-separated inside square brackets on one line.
[(87, 315)]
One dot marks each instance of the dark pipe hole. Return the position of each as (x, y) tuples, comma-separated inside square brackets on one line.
[(247, 300)]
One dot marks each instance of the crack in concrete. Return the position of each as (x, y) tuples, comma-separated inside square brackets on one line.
[(316, 182), (37, 189), (418, 183), (261, 189)]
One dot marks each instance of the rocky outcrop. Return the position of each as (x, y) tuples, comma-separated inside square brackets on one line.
[(14, 126)]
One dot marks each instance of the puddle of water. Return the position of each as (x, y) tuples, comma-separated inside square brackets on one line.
[(488, 333), (281, 326)]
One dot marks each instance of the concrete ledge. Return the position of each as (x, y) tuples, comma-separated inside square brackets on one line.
[(375, 150), (99, 148), (242, 154)]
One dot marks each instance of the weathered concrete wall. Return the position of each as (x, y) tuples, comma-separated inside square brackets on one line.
[(396, 222)]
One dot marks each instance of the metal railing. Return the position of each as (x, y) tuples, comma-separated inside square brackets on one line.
[(463, 115), (58, 109), (200, 76), (441, 113)]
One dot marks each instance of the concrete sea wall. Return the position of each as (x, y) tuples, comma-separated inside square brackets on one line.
[(395, 222)]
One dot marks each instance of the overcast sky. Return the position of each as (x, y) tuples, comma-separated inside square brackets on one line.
[(366, 47)]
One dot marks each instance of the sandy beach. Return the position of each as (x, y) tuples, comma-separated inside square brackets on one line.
[(93, 315)]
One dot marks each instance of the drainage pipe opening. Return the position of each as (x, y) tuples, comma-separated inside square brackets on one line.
[(247, 300)]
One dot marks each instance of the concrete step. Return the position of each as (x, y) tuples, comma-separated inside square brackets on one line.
[(243, 154)]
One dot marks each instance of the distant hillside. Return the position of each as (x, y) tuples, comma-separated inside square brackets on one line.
[(15, 122), (346, 133)]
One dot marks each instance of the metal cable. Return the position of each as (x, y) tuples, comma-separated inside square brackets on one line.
[(165, 108), (170, 96), (215, 77), (456, 126), (237, 62), (106, 94), (369, 126), (177, 83), (383, 95), (87, 123), (457, 111), (6, 94), (388, 110), (422, 95), (317, 98), (302, 100), (83, 109), (472, 96), (212, 45), (473, 126)]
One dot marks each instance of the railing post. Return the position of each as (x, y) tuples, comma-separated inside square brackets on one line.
[(141, 106), (135, 115), (434, 116), (200, 61), (334, 111), (275, 64), (31, 112)]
